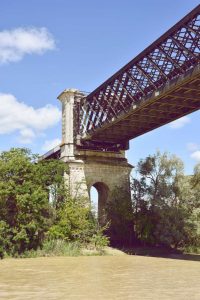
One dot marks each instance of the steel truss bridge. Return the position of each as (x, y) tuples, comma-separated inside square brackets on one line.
[(159, 85)]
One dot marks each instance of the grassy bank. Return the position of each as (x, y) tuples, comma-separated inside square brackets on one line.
[(55, 248), (62, 248)]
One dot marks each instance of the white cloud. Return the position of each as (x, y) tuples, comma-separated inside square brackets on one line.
[(196, 155), (16, 116), (14, 44), (192, 146), (195, 151), (180, 123), (50, 144), (26, 136)]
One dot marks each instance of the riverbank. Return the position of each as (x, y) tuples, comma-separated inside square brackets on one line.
[(163, 252), (60, 248), (75, 250)]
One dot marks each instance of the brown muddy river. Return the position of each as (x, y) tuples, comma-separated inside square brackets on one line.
[(99, 277)]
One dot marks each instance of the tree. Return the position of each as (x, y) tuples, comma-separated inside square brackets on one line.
[(196, 178), (162, 201), (119, 215), (190, 200), (24, 197)]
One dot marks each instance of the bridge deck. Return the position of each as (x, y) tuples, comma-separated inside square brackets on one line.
[(158, 86), (178, 98)]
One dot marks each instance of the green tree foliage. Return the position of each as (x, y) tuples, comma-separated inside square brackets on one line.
[(24, 198), (195, 182), (119, 214), (196, 177), (166, 203), (73, 221), (190, 200), (4, 238)]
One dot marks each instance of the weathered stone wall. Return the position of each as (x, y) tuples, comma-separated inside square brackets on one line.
[(113, 174), (87, 170), (104, 170)]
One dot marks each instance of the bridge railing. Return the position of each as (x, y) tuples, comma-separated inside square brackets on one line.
[(175, 52)]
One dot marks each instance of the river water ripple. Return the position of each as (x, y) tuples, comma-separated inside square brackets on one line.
[(99, 277)]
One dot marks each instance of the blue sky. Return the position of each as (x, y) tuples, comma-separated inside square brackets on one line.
[(47, 46)]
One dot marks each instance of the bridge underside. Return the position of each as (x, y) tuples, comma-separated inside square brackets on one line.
[(179, 97), (160, 85)]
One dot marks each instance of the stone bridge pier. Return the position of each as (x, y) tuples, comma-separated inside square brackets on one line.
[(107, 171)]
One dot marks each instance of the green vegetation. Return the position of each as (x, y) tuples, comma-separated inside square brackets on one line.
[(38, 217), (166, 204), (121, 219), (36, 209), (54, 248)]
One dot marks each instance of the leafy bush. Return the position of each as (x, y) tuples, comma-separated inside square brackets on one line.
[(4, 238), (74, 221), (99, 240)]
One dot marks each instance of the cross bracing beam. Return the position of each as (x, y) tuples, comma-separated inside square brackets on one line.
[(160, 108), (158, 86)]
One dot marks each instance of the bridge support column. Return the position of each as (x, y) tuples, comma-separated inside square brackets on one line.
[(108, 172)]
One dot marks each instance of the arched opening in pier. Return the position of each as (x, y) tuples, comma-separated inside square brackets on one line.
[(99, 196)]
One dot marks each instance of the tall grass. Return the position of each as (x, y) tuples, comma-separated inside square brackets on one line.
[(58, 247), (55, 248)]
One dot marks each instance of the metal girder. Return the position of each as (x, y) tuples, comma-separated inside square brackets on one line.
[(171, 56)]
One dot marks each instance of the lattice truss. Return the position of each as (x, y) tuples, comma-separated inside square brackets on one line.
[(177, 51)]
